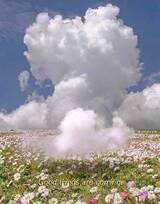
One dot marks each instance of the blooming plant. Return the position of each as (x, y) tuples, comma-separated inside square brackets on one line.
[(129, 176)]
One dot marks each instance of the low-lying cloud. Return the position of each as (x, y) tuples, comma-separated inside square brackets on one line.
[(141, 110)]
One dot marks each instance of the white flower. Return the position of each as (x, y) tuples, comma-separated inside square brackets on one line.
[(53, 201), (157, 190), (41, 189), (134, 191), (17, 176), (116, 168), (1, 160), (150, 187), (108, 198), (144, 189), (150, 171), (111, 164), (65, 185), (45, 193), (44, 177), (80, 202), (74, 195), (151, 195), (140, 166), (27, 197), (17, 197), (94, 189), (117, 199), (33, 185), (155, 176), (114, 190)]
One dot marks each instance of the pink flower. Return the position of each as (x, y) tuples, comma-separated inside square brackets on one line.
[(130, 184), (142, 195), (124, 194), (93, 201)]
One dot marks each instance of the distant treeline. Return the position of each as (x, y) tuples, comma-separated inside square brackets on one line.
[(147, 131)]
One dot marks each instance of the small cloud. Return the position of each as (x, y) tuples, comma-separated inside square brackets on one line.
[(23, 80)]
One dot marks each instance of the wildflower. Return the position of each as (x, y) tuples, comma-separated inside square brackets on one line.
[(116, 168), (140, 166), (155, 176), (27, 197), (74, 195), (17, 176), (45, 193), (2, 199), (150, 171), (44, 177), (70, 172), (65, 185), (117, 199), (1, 160), (80, 202), (17, 197), (92, 201), (114, 190), (33, 186), (142, 195), (130, 184), (94, 189), (134, 191), (150, 187), (151, 195), (111, 164), (109, 198), (53, 201), (157, 190), (103, 175), (124, 195), (41, 189)]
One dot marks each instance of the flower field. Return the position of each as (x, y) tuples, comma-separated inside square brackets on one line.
[(129, 176)]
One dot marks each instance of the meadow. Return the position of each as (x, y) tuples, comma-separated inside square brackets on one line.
[(131, 175)]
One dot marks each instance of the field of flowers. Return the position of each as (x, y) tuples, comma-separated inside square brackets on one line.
[(129, 176)]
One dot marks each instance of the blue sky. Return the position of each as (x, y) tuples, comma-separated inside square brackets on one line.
[(15, 15)]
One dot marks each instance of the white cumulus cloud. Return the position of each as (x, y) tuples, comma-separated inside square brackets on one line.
[(91, 61), (141, 110), (100, 47), (28, 116)]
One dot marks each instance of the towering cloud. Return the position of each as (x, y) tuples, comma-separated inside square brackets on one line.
[(99, 49), (91, 61)]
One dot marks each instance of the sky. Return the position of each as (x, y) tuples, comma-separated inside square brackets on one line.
[(92, 60), (16, 15)]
